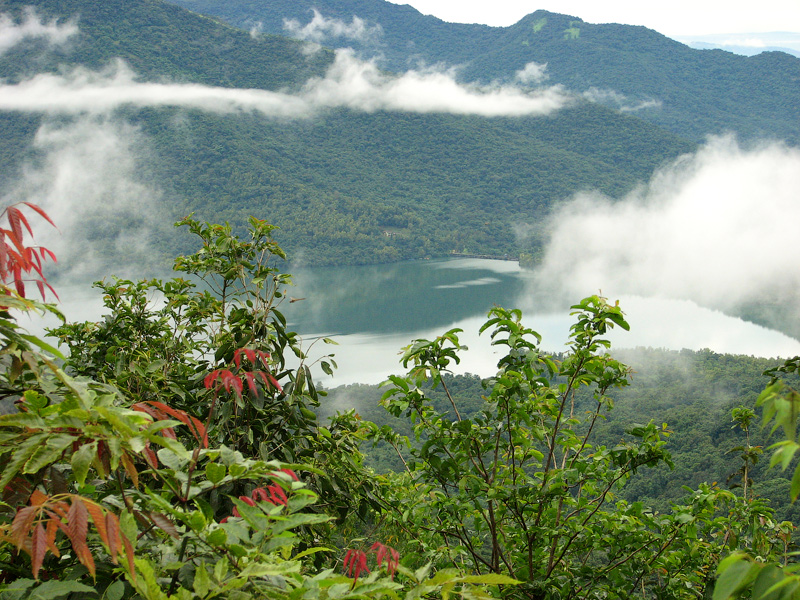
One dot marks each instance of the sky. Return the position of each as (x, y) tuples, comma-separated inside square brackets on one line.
[(674, 19)]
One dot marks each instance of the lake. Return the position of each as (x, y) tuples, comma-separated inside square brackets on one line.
[(373, 311)]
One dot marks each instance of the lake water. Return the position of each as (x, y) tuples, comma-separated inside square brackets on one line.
[(373, 311)]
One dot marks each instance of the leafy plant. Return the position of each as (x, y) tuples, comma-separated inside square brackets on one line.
[(519, 488)]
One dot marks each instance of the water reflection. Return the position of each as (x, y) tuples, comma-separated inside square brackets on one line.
[(374, 311), (392, 305)]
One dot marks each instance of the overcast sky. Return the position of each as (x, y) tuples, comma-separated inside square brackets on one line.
[(676, 18)]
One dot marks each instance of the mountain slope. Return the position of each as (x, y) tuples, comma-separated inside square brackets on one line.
[(345, 185), (691, 92)]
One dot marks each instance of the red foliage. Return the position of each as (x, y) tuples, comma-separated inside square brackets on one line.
[(161, 412), (388, 554), (226, 379), (34, 529), (355, 563), (18, 260)]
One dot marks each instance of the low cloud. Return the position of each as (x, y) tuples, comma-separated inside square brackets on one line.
[(718, 227), (349, 83), (619, 101), (320, 29), (32, 27), (87, 176), (532, 73)]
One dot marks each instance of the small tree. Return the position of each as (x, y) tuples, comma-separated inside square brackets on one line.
[(520, 489)]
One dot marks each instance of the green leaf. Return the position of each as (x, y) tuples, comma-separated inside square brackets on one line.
[(768, 578), (20, 457), (22, 420), (114, 591), (490, 579), (736, 572), (795, 489), (202, 582), (215, 472), (81, 460), (50, 590)]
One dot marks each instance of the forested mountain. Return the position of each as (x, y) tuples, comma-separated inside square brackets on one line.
[(693, 392), (344, 185), (690, 92)]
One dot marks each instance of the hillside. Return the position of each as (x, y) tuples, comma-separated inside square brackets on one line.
[(690, 92), (344, 185)]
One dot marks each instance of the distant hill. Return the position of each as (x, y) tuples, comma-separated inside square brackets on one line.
[(345, 186), (690, 92)]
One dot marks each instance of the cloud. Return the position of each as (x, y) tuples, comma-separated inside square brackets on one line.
[(532, 73), (32, 27), (718, 227), (349, 83), (619, 101), (88, 176), (320, 28)]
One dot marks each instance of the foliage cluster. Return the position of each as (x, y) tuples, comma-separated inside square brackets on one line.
[(174, 455)]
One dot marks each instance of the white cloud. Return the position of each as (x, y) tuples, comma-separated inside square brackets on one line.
[(532, 73), (349, 83), (718, 227), (619, 101), (320, 28), (87, 177), (31, 26)]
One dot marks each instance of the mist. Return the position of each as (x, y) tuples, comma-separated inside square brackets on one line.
[(717, 228), (321, 28), (88, 176), (32, 27), (349, 83)]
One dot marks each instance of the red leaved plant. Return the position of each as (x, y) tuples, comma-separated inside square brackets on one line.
[(18, 260), (355, 561), (35, 527)]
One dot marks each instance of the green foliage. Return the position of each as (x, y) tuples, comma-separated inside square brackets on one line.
[(125, 494), (435, 183), (520, 487), (697, 92)]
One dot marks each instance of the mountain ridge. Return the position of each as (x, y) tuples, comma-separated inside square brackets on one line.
[(683, 86)]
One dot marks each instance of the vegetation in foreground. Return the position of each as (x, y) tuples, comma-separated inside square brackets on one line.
[(174, 453)]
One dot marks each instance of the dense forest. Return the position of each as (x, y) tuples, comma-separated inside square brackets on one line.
[(692, 93), (345, 186)]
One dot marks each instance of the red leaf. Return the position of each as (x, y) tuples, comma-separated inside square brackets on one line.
[(38, 498), (16, 219), (99, 518), (52, 529), (164, 524), (129, 555), (150, 456), (355, 563), (38, 549), (77, 522), (195, 425), (251, 382), (277, 495), (114, 536), (40, 212), (208, 382), (22, 523)]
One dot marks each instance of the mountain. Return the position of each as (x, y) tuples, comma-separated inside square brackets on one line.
[(345, 185), (690, 92)]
